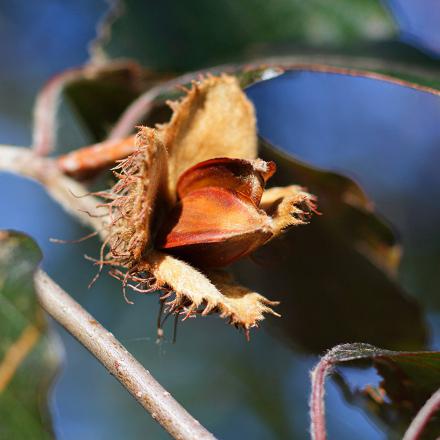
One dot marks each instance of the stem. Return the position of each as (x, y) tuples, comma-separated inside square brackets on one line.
[(431, 406), (317, 405), (118, 361), (71, 195)]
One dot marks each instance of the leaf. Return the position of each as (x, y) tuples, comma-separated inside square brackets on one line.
[(333, 34), (347, 208), (418, 23), (111, 99), (92, 107), (408, 381), (27, 356), (334, 278), (382, 134), (176, 36), (101, 96), (98, 95)]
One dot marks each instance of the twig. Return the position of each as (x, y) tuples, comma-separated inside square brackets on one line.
[(118, 361), (74, 197), (420, 421), (340, 353), (317, 406)]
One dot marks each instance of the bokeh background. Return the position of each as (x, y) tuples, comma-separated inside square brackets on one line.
[(385, 136)]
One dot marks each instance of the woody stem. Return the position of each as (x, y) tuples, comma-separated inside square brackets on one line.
[(118, 361), (71, 195), (57, 303)]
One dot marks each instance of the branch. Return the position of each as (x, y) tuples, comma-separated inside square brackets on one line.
[(420, 421), (102, 344), (317, 407), (118, 361), (71, 195)]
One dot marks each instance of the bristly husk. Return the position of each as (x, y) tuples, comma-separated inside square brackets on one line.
[(195, 293), (214, 119), (288, 206), (136, 198)]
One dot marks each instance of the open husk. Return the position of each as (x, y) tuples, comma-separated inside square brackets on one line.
[(214, 119)]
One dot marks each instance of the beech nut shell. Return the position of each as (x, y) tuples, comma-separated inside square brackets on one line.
[(217, 219)]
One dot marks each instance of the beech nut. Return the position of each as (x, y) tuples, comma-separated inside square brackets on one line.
[(217, 218)]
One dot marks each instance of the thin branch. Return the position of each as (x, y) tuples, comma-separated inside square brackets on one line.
[(72, 196), (118, 361), (339, 353), (317, 405), (420, 421)]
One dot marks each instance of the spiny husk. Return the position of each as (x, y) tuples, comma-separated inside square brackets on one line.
[(288, 206), (135, 199), (214, 119)]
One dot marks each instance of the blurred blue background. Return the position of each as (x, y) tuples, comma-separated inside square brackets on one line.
[(385, 136)]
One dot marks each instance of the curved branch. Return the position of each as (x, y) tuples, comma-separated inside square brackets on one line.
[(141, 107), (318, 429), (118, 361), (44, 131), (362, 67), (420, 421)]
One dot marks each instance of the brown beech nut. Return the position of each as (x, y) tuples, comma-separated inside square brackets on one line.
[(217, 219), (247, 177)]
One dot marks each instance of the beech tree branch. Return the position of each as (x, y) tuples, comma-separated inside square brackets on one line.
[(71, 195), (118, 361), (58, 304)]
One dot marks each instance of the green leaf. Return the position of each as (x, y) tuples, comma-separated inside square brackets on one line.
[(335, 277), (27, 356), (179, 36), (97, 101), (408, 381)]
